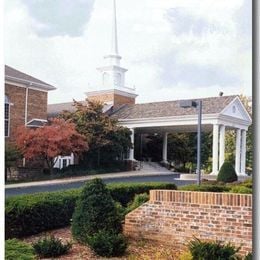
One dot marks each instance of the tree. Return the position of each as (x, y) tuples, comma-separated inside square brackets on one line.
[(12, 154), (58, 137), (96, 220), (107, 140)]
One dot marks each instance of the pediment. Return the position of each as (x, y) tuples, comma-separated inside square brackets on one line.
[(236, 109)]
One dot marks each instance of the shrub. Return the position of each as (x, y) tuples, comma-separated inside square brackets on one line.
[(248, 183), (205, 188), (105, 243), (241, 190), (96, 220), (125, 192), (227, 173), (95, 211), (201, 250), (31, 214), (139, 199), (15, 249), (51, 247)]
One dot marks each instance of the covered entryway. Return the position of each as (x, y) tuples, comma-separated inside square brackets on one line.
[(219, 114)]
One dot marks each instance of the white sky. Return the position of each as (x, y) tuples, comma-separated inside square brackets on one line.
[(172, 48)]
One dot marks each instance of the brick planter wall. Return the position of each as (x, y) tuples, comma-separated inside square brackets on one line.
[(174, 217)]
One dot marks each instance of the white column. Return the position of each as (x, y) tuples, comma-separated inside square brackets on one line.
[(165, 141), (215, 149), (131, 154), (221, 145), (238, 151), (243, 152)]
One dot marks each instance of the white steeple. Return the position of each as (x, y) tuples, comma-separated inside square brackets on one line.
[(113, 75), (114, 43)]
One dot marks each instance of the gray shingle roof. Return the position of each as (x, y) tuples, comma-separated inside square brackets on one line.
[(55, 109), (212, 105), (16, 75)]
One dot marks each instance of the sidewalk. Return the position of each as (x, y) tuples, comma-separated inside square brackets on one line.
[(86, 178)]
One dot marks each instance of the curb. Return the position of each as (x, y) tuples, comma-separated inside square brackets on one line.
[(82, 179)]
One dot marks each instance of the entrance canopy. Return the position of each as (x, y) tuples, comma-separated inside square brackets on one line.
[(218, 114)]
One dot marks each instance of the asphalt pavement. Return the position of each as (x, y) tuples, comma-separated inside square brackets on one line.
[(72, 183)]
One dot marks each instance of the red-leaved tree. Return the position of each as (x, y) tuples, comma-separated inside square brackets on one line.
[(58, 137)]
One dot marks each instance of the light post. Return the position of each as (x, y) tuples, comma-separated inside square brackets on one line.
[(198, 105)]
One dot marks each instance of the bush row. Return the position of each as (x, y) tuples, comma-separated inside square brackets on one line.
[(31, 214), (236, 187)]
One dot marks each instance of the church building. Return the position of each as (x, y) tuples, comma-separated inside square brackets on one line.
[(219, 113)]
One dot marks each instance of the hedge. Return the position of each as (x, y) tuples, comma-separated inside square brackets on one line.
[(205, 188), (125, 192), (31, 214)]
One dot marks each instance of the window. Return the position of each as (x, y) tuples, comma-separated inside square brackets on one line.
[(105, 78), (118, 79), (7, 116), (64, 163)]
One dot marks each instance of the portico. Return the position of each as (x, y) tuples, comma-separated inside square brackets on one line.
[(219, 115)]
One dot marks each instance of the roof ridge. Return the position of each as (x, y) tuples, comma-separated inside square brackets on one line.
[(176, 100)]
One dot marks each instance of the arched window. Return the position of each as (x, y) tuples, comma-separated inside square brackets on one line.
[(7, 116)]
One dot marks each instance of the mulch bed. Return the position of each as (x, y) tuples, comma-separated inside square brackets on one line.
[(137, 249)]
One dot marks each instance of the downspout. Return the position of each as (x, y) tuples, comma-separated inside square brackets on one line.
[(26, 105), (26, 112)]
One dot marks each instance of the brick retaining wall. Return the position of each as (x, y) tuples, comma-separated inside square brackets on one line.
[(176, 216)]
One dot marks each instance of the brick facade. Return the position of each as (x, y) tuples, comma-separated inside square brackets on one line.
[(36, 108), (116, 99), (176, 216)]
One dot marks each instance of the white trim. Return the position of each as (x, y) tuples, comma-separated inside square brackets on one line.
[(238, 151), (111, 91), (222, 132), (26, 106), (207, 119), (37, 119), (111, 67), (24, 86), (215, 159), (243, 111), (9, 114), (39, 85)]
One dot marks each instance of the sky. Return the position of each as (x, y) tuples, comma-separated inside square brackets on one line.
[(172, 49)]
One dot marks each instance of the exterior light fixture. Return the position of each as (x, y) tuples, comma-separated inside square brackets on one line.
[(198, 105)]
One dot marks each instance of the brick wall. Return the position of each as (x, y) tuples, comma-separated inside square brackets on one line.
[(111, 97), (176, 216), (37, 106)]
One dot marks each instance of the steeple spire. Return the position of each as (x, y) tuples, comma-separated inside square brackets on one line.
[(113, 75), (114, 43)]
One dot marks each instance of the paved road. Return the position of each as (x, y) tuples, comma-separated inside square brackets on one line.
[(56, 187)]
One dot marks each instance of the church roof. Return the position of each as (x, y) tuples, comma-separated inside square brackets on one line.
[(55, 109), (14, 75), (211, 105)]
